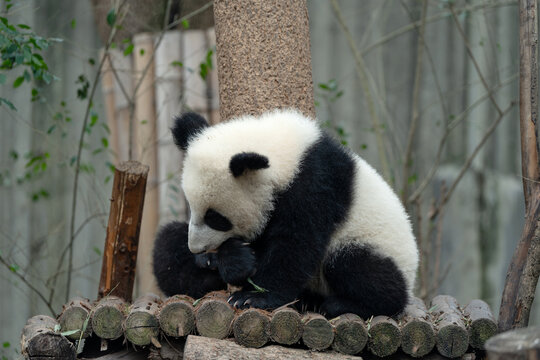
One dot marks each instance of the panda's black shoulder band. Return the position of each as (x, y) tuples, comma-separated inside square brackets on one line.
[(186, 127), (247, 161)]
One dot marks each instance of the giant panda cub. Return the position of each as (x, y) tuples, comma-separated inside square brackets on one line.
[(274, 200)]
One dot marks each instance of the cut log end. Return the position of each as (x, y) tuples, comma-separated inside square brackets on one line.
[(40, 341), (350, 334), (318, 332), (251, 328), (384, 336), (177, 317), (286, 326), (417, 338), (214, 317), (108, 318)]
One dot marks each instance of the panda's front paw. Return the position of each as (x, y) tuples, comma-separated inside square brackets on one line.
[(206, 261), (246, 299), (236, 261)]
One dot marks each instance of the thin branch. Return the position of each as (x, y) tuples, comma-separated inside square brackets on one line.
[(361, 71), (469, 161), (30, 286), (457, 120), (79, 152), (473, 59), (415, 100), (442, 15), (150, 62)]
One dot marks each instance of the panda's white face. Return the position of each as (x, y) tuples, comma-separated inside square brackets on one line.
[(216, 197)]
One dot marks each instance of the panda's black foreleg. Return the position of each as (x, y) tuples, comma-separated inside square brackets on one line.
[(177, 270), (364, 283)]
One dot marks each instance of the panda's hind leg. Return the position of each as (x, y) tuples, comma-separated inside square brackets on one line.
[(364, 283), (177, 270)]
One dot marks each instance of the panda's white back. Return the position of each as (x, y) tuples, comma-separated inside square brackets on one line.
[(378, 219)]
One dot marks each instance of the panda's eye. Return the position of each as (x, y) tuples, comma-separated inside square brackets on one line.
[(217, 221)]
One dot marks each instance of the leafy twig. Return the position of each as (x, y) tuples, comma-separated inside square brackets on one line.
[(79, 152)]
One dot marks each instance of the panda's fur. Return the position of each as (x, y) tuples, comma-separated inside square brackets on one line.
[(274, 199)]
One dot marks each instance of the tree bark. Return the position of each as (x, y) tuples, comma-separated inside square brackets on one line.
[(524, 269), (120, 254), (76, 316), (452, 336), (482, 324), (263, 56), (318, 332)]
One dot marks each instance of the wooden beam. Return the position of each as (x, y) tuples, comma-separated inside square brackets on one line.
[(121, 244)]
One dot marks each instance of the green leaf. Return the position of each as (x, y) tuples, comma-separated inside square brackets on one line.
[(70, 332), (111, 17), (6, 344), (51, 129), (256, 287), (177, 63), (18, 81), (97, 250), (73, 23), (185, 24), (23, 26), (128, 50), (14, 268), (105, 142)]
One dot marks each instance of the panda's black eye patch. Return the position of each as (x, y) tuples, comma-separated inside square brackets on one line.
[(217, 221)]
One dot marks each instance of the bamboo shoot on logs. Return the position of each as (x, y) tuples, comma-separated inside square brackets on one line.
[(452, 336), (142, 326), (177, 316), (76, 316), (39, 340)]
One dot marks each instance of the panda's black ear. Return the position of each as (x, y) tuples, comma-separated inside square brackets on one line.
[(247, 161), (187, 126)]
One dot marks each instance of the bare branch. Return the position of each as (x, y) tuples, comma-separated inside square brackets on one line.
[(469, 161), (361, 71), (415, 113)]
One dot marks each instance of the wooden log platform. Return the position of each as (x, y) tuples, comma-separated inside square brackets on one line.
[(151, 323), (76, 316), (142, 326), (384, 336), (40, 340), (482, 324), (452, 335), (417, 332)]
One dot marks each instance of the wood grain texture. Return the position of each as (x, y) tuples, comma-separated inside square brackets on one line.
[(108, 317), (142, 326), (200, 348), (76, 316), (177, 316), (452, 336), (40, 341), (121, 244), (481, 323), (417, 332)]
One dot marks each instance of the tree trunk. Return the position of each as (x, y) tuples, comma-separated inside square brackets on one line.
[(263, 56), (522, 276)]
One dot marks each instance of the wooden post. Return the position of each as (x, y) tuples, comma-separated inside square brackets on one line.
[(120, 254), (452, 336), (263, 56), (524, 269)]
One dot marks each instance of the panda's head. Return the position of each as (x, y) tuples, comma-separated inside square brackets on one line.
[(225, 183)]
